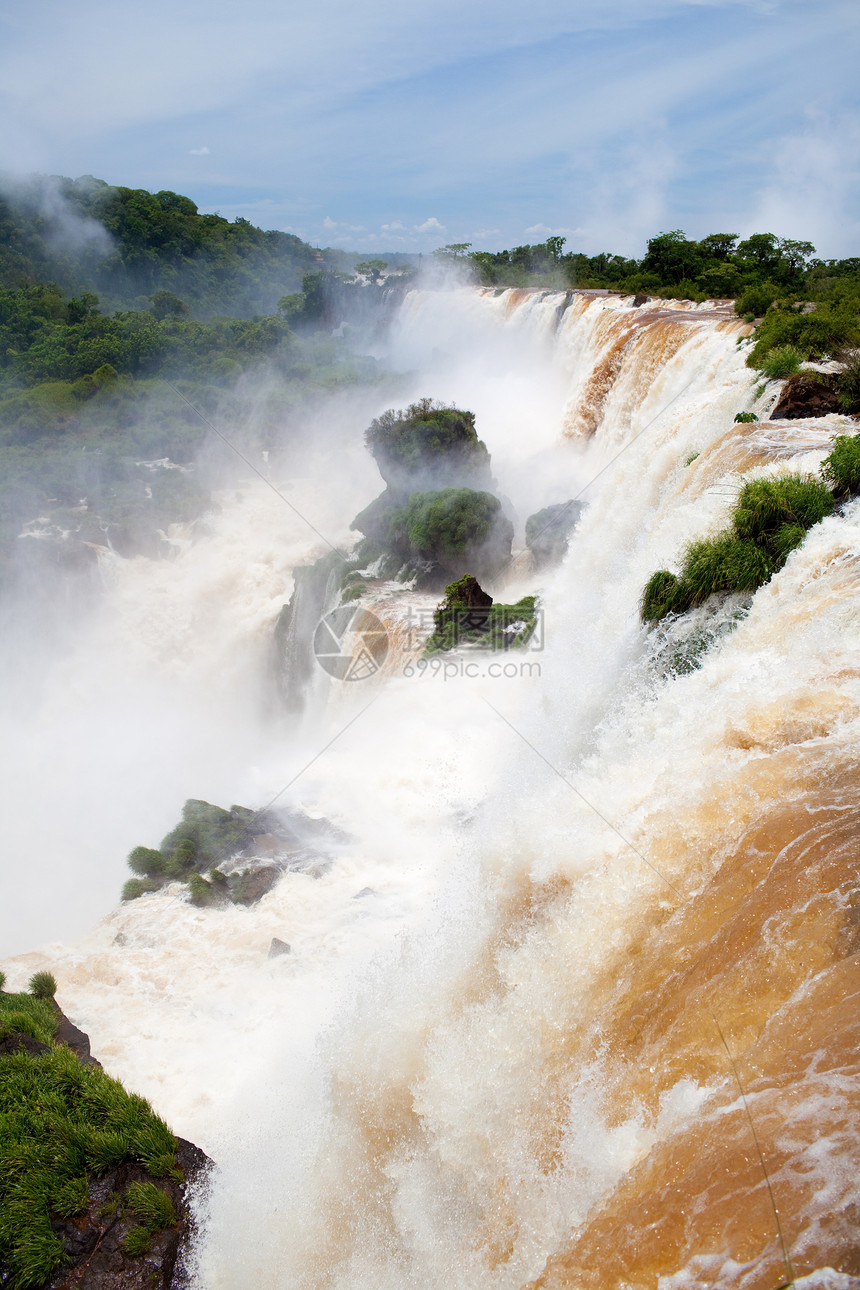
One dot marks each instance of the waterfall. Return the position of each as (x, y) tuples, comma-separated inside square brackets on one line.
[(597, 914)]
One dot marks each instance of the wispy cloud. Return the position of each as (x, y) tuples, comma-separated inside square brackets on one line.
[(604, 117)]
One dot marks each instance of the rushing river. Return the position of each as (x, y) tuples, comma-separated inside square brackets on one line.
[(596, 919)]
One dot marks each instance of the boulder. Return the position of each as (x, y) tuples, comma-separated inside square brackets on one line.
[(278, 948), (250, 886), (807, 394)]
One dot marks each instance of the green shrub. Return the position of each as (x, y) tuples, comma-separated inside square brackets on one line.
[(849, 383), (2, 980), (43, 985), (428, 445), (745, 417), (199, 890), (783, 361), (457, 525), (842, 468), (147, 861), (823, 331), (135, 887), (756, 300)]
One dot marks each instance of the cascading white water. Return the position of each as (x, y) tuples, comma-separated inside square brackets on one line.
[(504, 1061)]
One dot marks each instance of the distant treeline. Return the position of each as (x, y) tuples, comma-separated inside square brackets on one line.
[(755, 271)]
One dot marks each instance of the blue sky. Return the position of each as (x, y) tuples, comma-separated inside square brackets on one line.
[(392, 126)]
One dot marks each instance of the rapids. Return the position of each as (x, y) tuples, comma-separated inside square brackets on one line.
[(597, 919)]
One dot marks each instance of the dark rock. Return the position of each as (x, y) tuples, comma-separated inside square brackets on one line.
[(67, 1033), (18, 1043), (807, 394), (640, 299), (548, 531), (278, 948), (471, 595), (249, 887)]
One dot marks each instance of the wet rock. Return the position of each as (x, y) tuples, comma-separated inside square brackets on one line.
[(250, 886), (807, 394), (365, 891), (278, 948), (640, 299), (67, 1033)]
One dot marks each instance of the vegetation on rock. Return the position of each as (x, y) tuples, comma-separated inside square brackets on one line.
[(62, 1124), (770, 520), (469, 616), (427, 446), (205, 836)]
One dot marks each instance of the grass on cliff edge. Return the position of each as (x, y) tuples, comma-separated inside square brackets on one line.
[(61, 1124), (771, 518)]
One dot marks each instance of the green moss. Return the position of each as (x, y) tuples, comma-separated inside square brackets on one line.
[(60, 1124)]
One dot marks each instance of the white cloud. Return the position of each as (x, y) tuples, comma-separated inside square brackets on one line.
[(813, 188), (198, 152), (396, 227), (430, 225), (544, 231), (328, 222)]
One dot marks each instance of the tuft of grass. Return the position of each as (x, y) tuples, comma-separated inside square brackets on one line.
[(137, 1240), (43, 985), (783, 361), (660, 597), (842, 468), (723, 563), (745, 417), (692, 457), (2, 980), (151, 1205), (60, 1123), (766, 505)]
